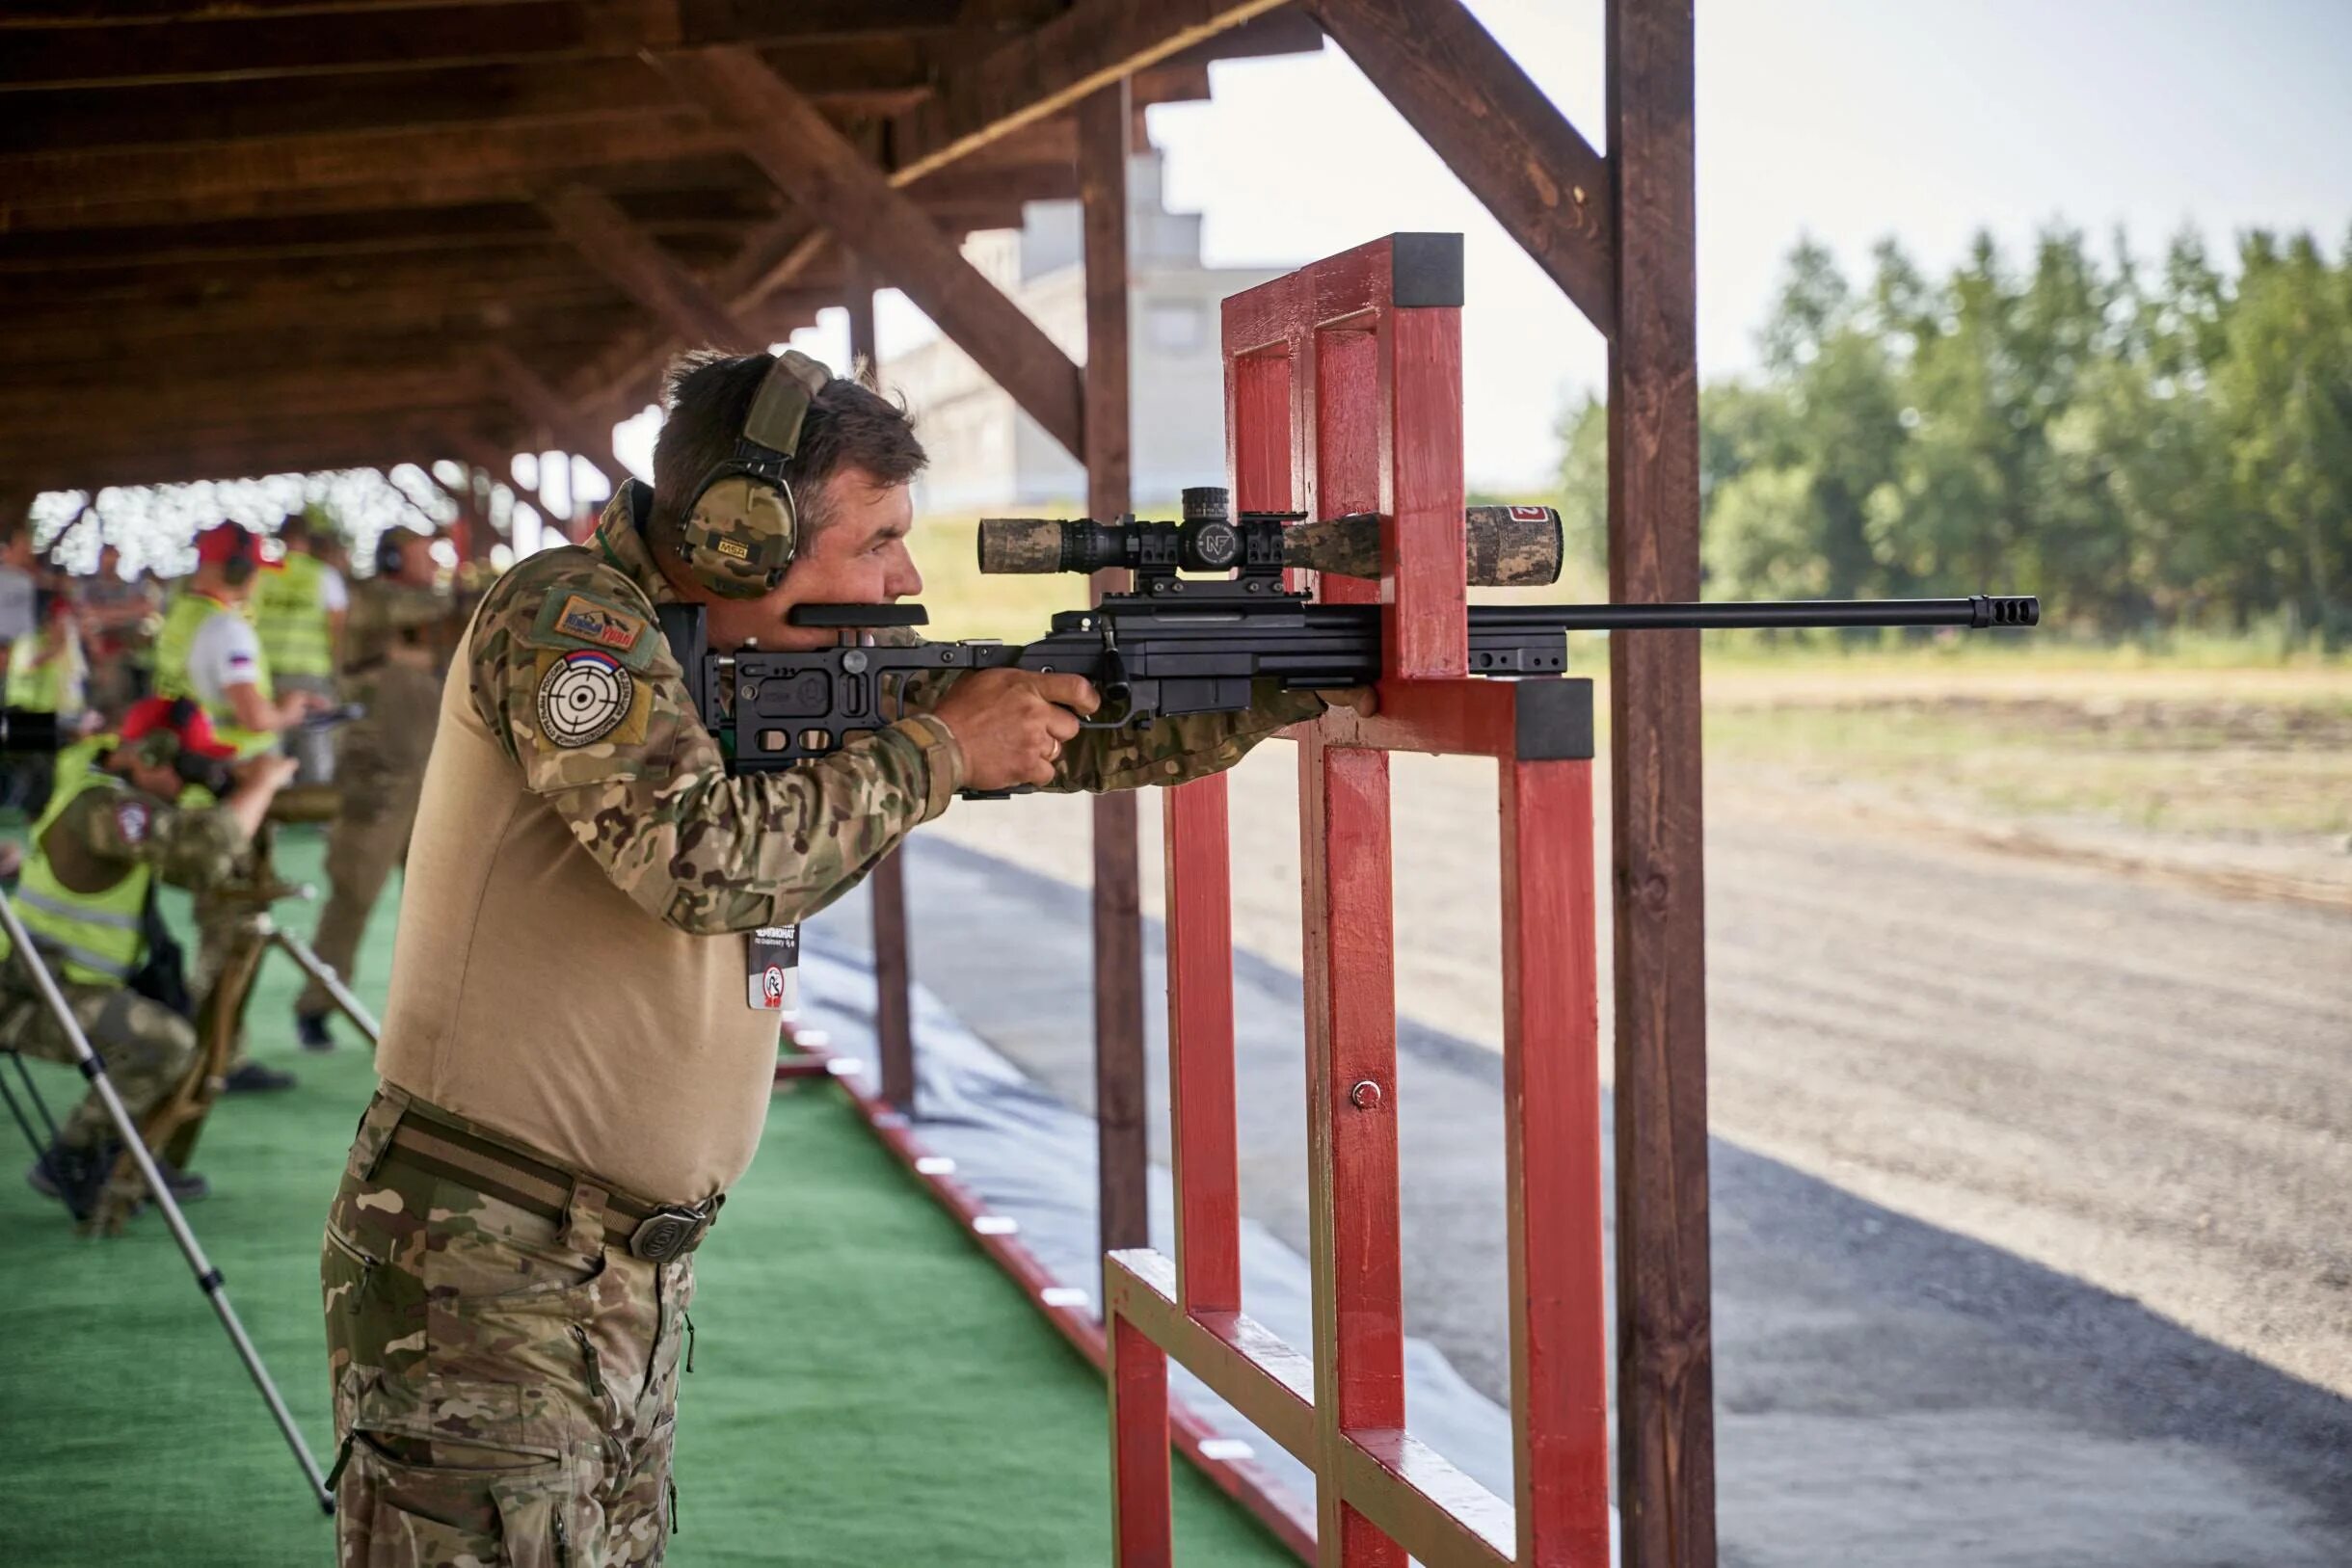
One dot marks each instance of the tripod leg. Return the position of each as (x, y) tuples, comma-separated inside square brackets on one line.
[(24, 1124), (48, 1123), (208, 1278), (299, 950)]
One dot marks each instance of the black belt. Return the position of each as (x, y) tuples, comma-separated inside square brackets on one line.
[(656, 1233)]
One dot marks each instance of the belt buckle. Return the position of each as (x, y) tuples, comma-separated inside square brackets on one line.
[(667, 1233)]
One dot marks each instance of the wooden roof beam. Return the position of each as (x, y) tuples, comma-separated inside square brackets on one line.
[(572, 428), (833, 183), (1092, 44), (246, 47), (879, 75), (209, 181), (639, 267), (1478, 110)]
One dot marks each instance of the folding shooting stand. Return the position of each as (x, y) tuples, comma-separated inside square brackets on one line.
[(1343, 393), (176, 1123), (208, 1279)]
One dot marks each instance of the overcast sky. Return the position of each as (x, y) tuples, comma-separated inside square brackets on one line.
[(1851, 120)]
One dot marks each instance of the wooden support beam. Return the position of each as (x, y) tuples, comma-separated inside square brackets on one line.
[(288, 400), (305, 451), (211, 180), (576, 432), (818, 166), (1493, 127), (894, 1000), (1122, 1132), (602, 232), (1665, 1352), (1092, 44), (871, 76), (246, 47)]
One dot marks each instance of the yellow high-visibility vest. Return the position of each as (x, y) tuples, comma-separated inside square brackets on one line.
[(290, 608), (88, 938), (187, 617)]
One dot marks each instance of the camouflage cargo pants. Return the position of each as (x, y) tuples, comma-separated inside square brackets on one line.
[(500, 1396), (146, 1047)]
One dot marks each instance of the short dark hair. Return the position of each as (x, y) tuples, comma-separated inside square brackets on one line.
[(708, 396)]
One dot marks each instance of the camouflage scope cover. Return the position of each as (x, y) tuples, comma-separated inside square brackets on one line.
[(740, 536)]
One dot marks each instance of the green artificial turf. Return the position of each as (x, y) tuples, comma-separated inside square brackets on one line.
[(868, 1389)]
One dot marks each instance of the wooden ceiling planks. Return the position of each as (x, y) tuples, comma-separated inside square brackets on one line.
[(243, 236)]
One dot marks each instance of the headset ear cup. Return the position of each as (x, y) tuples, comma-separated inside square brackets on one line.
[(739, 536)]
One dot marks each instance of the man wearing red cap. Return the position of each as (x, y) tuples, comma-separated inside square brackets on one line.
[(209, 651), (88, 900)]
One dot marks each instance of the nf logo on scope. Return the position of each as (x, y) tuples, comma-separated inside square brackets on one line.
[(583, 698)]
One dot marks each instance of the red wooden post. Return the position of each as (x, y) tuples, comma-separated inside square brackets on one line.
[(1551, 1130), (1343, 393), (1142, 1526)]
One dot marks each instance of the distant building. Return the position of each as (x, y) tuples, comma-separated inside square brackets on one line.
[(987, 453)]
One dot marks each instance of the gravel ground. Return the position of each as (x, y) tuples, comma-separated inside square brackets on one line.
[(2032, 1181)]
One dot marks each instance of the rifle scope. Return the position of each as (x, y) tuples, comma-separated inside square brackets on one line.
[(1502, 546)]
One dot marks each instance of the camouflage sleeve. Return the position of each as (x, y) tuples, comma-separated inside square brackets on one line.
[(192, 849), (573, 677)]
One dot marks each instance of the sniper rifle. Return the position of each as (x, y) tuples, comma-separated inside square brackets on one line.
[(1175, 645)]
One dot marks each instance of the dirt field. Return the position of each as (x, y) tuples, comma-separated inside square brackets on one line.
[(2141, 1081)]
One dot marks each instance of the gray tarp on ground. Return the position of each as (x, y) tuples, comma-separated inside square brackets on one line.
[(1033, 1159)]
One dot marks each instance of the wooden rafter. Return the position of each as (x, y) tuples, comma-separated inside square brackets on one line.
[(246, 47), (637, 263), (1495, 129), (832, 182), (77, 182), (1092, 44), (541, 404)]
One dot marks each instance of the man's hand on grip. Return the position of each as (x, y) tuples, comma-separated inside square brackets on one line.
[(1011, 725)]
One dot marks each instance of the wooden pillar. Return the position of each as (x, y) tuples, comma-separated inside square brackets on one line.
[(894, 1012), (1123, 1158), (1666, 1379)]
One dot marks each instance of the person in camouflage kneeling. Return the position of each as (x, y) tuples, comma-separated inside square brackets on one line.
[(87, 898)]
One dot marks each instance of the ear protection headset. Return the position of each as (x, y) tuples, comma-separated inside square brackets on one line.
[(744, 523), (389, 545)]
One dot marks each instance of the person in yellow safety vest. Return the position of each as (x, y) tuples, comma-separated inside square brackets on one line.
[(47, 674), (297, 612), (209, 650), (87, 900)]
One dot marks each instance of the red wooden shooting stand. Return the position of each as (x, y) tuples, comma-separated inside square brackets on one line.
[(1343, 393)]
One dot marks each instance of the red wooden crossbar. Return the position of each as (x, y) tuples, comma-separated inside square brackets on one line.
[(1344, 394)]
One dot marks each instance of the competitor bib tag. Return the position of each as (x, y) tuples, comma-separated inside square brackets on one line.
[(772, 971)]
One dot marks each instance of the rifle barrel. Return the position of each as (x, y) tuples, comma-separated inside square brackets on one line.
[(1977, 612)]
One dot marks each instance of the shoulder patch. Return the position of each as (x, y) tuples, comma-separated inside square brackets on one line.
[(586, 696), (131, 820), (572, 616)]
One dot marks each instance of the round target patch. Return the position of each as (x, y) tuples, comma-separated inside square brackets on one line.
[(583, 698)]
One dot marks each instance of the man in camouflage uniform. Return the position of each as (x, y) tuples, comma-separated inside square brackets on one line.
[(575, 1060), (87, 900), (393, 666)]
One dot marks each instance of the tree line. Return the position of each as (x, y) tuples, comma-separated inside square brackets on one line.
[(2147, 447)]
